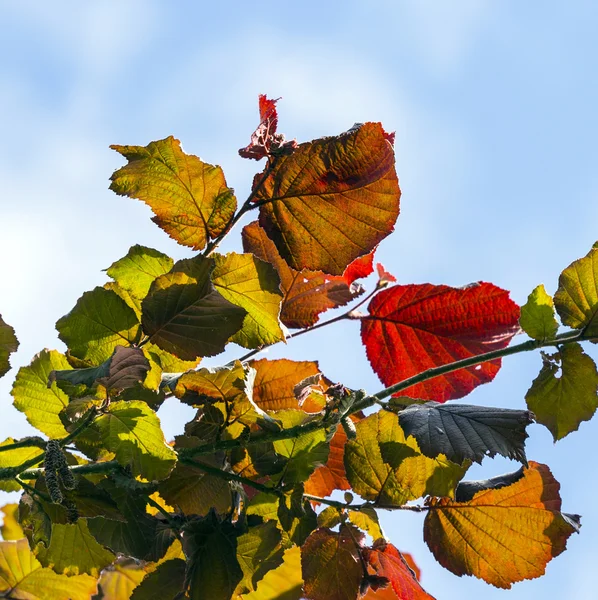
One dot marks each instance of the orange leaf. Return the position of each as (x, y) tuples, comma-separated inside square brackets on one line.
[(503, 530), (332, 200)]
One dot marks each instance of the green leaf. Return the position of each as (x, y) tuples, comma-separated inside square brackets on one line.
[(132, 431), (213, 571), (284, 582), (165, 583), (384, 467), (330, 517), (119, 579), (8, 345), (190, 198), (185, 315), (258, 551), (537, 315), (22, 576), (73, 550), (32, 396), (15, 458), (330, 564), (169, 363), (565, 392), (296, 515), (303, 453), (99, 322), (125, 368), (253, 285), (465, 431), (576, 300), (331, 200), (366, 519), (136, 271)]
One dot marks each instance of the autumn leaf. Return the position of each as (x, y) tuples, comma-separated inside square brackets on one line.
[(537, 315), (565, 393), (501, 533), (185, 315), (8, 345), (463, 431), (11, 528), (119, 579), (306, 293), (330, 564), (576, 300), (412, 328), (189, 197), (386, 561), (14, 458), (386, 468), (165, 583), (332, 200)]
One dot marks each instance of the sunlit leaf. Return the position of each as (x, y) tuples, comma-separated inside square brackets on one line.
[(10, 528), (565, 393), (412, 328), (384, 467), (22, 577), (331, 200), (73, 551), (537, 315), (125, 368), (366, 519), (185, 315), (576, 300), (211, 383), (306, 293), (136, 271), (132, 431), (119, 579), (190, 198), (40, 403), (503, 533), (169, 363), (252, 284), (330, 564), (461, 431), (15, 458), (386, 561), (165, 583), (213, 571), (99, 322), (8, 345)]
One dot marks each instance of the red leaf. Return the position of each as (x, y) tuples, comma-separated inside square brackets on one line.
[(305, 293), (384, 277), (412, 328), (387, 561)]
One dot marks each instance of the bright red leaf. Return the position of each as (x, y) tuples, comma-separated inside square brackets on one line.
[(387, 561), (412, 328)]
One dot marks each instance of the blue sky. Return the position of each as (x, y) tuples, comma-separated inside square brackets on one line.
[(494, 106)]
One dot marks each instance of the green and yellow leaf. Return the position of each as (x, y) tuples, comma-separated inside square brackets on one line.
[(8, 345), (537, 315)]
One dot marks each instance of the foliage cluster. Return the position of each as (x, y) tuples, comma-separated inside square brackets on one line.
[(240, 504)]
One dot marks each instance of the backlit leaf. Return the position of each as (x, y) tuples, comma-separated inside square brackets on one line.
[(295, 514), (8, 345), (99, 322), (305, 293), (22, 577), (252, 284), (73, 551), (211, 383), (10, 528), (384, 467), (190, 198), (330, 564), (537, 315), (132, 431), (565, 393), (461, 431), (169, 363), (412, 328), (366, 519), (15, 458), (331, 200), (576, 300), (185, 315), (136, 271), (119, 579), (165, 583), (503, 534), (213, 571), (386, 561), (40, 403)]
